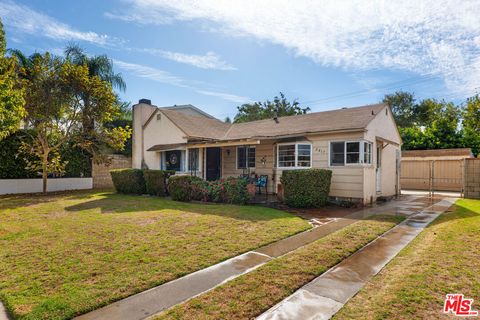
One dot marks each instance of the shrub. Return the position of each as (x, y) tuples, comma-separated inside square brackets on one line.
[(307, 188), (200, 190), (235, 191), (180, 187), (155, 182), (13, 164), (128, 181)]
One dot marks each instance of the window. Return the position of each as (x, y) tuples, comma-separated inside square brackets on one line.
[(367, 152), (304, 155), (294, 155), (337, 153), (353, 152), (245, 157), (173, 160), (193, 159), (350, 152)]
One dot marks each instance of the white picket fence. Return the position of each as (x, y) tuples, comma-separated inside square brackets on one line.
[(13, 186)]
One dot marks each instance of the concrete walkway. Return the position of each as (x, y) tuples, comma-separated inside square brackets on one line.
[(153, 301), (327, 294)]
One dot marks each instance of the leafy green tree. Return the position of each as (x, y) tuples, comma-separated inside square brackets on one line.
[(443, 130), (471, 124), (279, 107), (403, 107), (11, 92), (54, 104)]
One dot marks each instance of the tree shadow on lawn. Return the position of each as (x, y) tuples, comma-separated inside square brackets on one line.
[(120, 203)]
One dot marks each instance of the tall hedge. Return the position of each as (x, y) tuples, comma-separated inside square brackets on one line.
[(13, 164), (307, 188), (156, 180), (128, 181)]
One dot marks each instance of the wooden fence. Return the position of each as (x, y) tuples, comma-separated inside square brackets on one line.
[(438, 175), (472, 178)]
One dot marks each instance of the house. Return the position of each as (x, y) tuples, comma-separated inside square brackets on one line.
[(360, 145)]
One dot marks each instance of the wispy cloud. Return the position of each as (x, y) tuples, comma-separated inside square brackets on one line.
[(208, 61), (170, 79), (433, 37), (29, 21)]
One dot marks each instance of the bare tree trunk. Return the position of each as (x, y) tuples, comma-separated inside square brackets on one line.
[(44, 173)]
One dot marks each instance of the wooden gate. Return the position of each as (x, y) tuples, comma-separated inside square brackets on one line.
[(432, 175)]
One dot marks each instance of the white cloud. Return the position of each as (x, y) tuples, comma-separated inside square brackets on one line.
[(438, 37), (208, 61), (168, 78), (25, 19)]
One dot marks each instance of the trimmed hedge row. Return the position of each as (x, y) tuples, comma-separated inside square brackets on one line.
[(307, 188), (128, 180), (137, 181), (156, 181)]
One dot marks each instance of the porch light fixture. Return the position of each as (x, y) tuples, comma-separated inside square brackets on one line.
[(228, 152), (263, 160)]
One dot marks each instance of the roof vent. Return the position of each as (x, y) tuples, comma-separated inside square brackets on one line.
[(275, 115), (145, 101)]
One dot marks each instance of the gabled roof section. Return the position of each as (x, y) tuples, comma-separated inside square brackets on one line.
[(317, 122), (346, 119), (197, 126)]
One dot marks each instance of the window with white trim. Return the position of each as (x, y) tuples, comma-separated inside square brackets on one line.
[(193, 159), (245, 157), (295, 155), (350, 153)]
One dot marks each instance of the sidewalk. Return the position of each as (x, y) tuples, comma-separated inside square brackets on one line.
[(153, 301), (326, 295)]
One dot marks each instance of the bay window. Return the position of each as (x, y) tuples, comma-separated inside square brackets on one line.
[(350, 152), (294, 155)]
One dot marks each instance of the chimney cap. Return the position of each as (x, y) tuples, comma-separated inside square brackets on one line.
[(145, 101)]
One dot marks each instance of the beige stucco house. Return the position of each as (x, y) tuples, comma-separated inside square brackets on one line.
[(360, 145)]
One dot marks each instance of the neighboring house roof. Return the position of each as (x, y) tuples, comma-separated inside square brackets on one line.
[(327, 121), (458, 152), (188, 109)]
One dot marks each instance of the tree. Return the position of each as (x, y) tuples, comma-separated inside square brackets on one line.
[(279, 107), (11, 92), (471, 124), (54, 102), (227, 120), (403, 106)]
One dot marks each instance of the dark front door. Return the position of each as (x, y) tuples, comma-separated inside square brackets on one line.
[(213, 164)]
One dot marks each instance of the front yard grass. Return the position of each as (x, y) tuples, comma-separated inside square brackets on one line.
[(63, 255), (444, 258), (253, 293)]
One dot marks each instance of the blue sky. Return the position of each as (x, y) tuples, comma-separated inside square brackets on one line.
[(219, 54)]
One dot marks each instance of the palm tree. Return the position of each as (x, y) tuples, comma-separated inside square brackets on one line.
[(25, 63), (100, 66)]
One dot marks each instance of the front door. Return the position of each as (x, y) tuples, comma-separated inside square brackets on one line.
[(378, 169), (213, 164)]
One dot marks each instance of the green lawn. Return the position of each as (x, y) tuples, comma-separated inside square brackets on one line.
[(63, 255), (444, 258), (253, 293)]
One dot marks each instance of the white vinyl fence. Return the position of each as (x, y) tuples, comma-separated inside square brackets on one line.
[(12, 186)]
